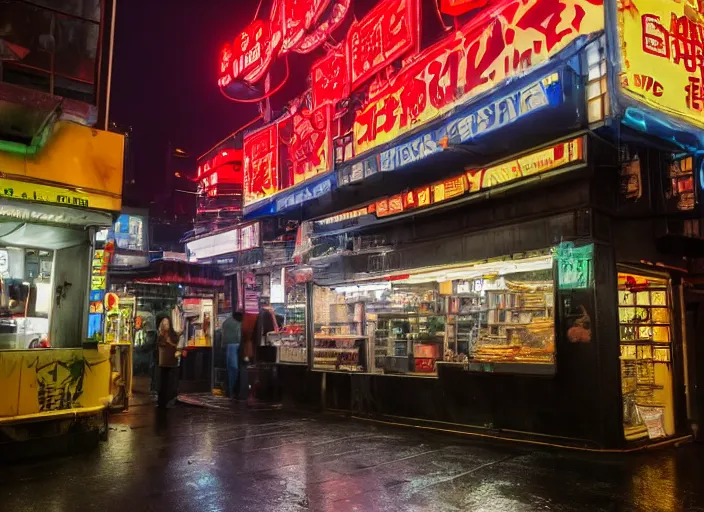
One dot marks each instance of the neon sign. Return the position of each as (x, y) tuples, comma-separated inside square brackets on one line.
[(310, 147), (329, 78), (298, 16), (662, 47), (261, 163), (493, 47), (249, 56), (382, 36), (459, 7), (292, 150), (294, 26), (473, 181)]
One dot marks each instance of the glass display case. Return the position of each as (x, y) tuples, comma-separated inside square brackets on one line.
[(339, 340), (497, 316), (646, 356), (289, 300)]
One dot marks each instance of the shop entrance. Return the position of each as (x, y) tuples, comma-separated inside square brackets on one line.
[(645, 314)]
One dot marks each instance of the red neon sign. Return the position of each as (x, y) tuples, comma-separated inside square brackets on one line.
[(310, 148), (459, 7), (329, 78), (508, 39), (298, 17), (261, 162), (249, 56), (322, 31), (473, 181), (382, 36)]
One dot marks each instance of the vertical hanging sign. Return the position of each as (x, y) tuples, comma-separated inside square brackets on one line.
[(382, 36), (261, 163)]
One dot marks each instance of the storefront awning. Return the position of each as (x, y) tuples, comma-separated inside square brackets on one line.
[(171, 272), (22, 234)]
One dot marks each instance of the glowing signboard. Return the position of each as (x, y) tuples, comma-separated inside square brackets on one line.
[(662, 46), (261, 164), (505, 42), (382, 36), (296, 148), (310, 147), (249, 56), (298, 16), (329, 82), (473, 181), (321, 32), (459, 7)]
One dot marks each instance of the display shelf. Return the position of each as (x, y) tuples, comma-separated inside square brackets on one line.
[(320, 336)]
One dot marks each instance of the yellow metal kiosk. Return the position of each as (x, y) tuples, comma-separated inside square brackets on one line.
[(57, 195)]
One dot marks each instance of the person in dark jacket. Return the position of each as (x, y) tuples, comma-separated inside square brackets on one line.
[(167, 343), (232, 339)]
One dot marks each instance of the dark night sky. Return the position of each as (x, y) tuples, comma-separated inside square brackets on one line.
[(165, 78)]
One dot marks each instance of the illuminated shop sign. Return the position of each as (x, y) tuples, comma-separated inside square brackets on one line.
[(341, 217), (329, 82), (477, 122), (661, 49), (546, 92), (261, 162), (305, 141), (459, 7), (382, 36), (15, 189), (234, 240), (300, 195), (476, 180), (249, 56), (293, 26), (473, 60)]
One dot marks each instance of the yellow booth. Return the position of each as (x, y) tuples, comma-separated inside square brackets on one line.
[(58, 197)]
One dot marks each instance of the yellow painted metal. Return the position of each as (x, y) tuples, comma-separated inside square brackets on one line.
[(79, 166), (37, 382)]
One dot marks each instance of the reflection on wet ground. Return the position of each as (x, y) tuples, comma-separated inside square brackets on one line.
[(191, 459)]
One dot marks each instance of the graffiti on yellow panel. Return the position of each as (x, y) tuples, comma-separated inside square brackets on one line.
[(52, 380)]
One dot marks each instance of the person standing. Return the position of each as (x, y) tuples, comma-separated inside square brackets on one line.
[(167, 343), (232, 338)]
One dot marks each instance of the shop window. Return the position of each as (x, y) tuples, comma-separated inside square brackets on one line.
[(597, 89), (25, 296), (487, 317), (681, 186), (646, 371)]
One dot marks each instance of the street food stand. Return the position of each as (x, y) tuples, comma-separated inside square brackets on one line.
[(173, 288), (56, 198)]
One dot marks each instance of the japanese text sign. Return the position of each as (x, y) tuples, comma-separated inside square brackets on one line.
[(473, 181), (662, 55), (459, 7), (261, 162), (329, 81), (514, 36), (382, 36), (298, 18), (310, 147), (249, 56)]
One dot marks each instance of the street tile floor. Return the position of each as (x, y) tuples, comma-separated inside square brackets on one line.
[(239, 459)]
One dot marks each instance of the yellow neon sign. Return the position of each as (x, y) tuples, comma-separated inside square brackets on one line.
[(661, 55)]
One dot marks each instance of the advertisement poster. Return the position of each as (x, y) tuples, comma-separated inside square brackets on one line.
[(661, 55)]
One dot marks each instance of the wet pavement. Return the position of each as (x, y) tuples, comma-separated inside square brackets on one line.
[(195, 459)]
